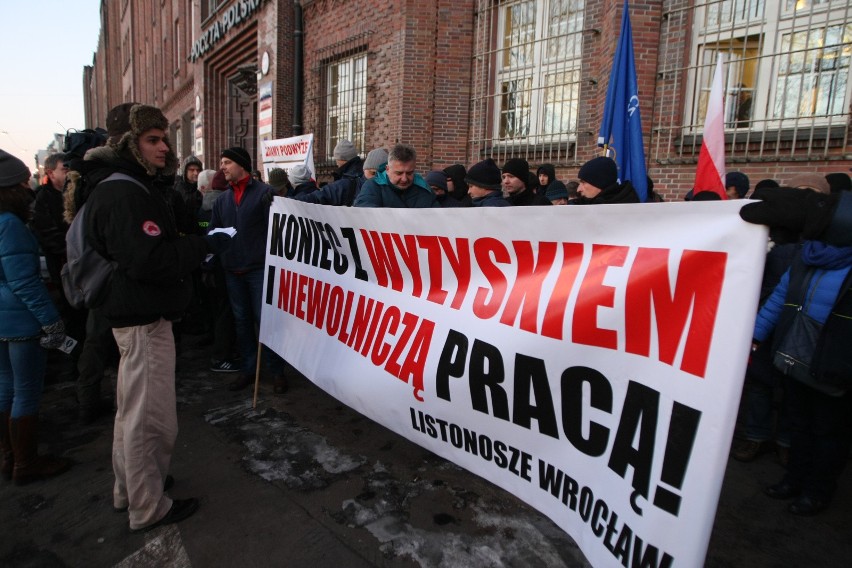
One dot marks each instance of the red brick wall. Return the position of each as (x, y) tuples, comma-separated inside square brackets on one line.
[(418, 71)]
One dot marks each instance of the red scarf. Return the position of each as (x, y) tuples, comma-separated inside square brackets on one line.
[(240, 188)]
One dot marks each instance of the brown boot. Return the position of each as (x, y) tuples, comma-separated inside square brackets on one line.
[(29, 466), (7, 459)]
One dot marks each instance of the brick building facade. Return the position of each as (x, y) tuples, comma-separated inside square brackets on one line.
[(466, 79)]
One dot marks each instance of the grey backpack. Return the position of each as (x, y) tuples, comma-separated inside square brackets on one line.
[(86, 273)]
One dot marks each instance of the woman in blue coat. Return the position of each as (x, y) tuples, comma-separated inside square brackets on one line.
[(29, 323), (817, 285)]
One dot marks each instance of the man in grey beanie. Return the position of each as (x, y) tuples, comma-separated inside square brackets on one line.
[(349, 164), (302, 180), (343, 152), (376, 161)]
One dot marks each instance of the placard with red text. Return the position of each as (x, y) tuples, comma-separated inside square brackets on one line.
[(587, 359)]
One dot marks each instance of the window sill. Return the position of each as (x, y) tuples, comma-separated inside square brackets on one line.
[(815, 133)]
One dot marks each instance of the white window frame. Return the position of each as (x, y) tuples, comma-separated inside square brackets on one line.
[(535, 74), (778, 22), (349, 104)]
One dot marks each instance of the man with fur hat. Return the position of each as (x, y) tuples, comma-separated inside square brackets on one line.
[(599, 184), (516, 184), (245, 206), (128, 220)]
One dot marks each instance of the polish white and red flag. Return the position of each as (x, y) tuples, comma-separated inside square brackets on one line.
[(710, 175)]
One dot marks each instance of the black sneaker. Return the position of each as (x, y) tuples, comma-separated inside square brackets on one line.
[(181, 509), (225, 366)]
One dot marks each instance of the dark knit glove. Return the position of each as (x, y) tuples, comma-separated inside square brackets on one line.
[(217, 243), (54, 335), (803, 211)]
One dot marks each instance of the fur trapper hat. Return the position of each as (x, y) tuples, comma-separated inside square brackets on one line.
[(140, 118)]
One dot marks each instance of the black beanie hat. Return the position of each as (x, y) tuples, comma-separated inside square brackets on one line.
[(457, 173), (238, 155), (12, 170), (601, 172), (518, 167), (839, 181), (485, 174), (739, 181)]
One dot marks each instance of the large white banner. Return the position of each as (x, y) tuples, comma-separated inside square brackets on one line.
[(589, 360)]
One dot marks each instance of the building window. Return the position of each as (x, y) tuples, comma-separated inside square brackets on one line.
[(125, 49), (787, 64), (209, 7), (527, 69), (176, 47), (346, 101), (538, 70), (813, 72)]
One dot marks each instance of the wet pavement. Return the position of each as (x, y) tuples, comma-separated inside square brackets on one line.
[(302, 480)]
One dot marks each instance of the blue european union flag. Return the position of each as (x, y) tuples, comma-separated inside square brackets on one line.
[(621, 129)]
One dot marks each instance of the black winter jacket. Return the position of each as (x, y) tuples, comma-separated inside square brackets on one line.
[(48, 223), (251, 219), (617, 193), (135, 227), (526, 198)]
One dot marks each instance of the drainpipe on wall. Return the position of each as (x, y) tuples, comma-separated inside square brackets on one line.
[(298, 65)]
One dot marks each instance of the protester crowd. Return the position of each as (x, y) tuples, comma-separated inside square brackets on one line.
[(186, 250)]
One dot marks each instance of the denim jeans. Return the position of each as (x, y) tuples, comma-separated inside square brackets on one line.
[(245, 292), (22, 365)]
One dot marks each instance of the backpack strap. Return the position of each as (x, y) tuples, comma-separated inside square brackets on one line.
[(118, 176)]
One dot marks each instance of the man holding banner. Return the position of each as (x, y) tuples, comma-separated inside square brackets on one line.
[(399, 186), (599, 184), (245, 207)]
